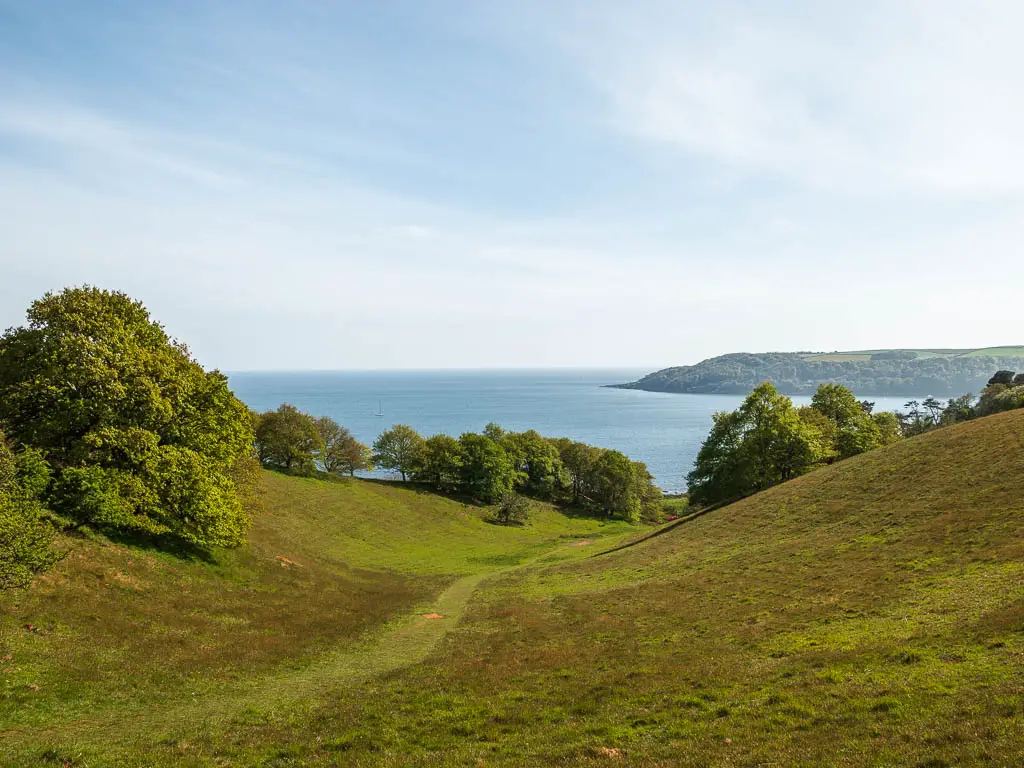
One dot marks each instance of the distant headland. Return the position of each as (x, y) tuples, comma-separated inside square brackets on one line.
[(882, 372)]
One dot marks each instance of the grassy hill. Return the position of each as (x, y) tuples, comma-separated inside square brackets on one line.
[(869, 613), (115, 629)]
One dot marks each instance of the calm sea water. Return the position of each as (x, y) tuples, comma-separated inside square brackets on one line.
[(663, 430)]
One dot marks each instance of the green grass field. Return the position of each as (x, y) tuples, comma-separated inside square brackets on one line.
[(869, 613), (864, 355), (997, 352)]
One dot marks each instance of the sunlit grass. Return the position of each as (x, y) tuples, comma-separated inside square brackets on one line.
[(869, 613)]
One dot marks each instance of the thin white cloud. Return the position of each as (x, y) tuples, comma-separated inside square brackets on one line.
[(866, 98), (745, 178)]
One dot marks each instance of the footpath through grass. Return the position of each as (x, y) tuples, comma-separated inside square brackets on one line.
[(119, 643)]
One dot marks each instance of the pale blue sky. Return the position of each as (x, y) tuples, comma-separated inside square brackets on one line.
[(461, 184)]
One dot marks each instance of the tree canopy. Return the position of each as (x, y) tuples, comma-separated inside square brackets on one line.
[(139, 437), (26, 538), (767, 441), (291, 440), (399, 449)]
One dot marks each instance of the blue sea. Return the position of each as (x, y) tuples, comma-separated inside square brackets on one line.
[(663, 430)]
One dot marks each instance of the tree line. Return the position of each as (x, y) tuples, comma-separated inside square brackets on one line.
[(107, 422), (1003, 392), (486, 467), (292, 441), (768, 440)]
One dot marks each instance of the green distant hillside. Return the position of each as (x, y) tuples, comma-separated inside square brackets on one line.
[(868, 613), (894, 372)]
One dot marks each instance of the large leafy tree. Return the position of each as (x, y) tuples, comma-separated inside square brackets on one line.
[(536, 461), (442, 463), (26, 548), (762, 443), (399, 449), (291, 440), (487, 472), (578, 459), (721, 470), (139, 436), (838, 404)]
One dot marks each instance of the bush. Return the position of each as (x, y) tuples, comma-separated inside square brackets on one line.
[(512, 509)]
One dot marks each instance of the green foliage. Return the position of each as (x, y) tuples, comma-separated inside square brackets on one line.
[(762, 444), (291, 440), (998, 398), (487, 472), (888, 425), (536, 462), (400, 449), (578, 459), (339, 452), (767, 441), (512, 509), (443, 459), (489, 466), (26, 538), (139, 436), (837, 404)]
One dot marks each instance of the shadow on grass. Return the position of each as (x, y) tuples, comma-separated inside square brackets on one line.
[(167, 544)]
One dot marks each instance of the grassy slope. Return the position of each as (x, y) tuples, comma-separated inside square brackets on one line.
[(117, 628), (870, 613)]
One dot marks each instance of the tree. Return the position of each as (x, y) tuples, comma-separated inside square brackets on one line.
[(859, 436), (958, 409), (139, 436), (354, 456), (762, 443), (888, 425), (913, 421), (934, 409), (837, 403), (721, 470), (513, 509), (399, 449), (651, 499), (1018, 380), (442, 463), (779, 445), (26, 538), (338, 452), (614, 489), (487, 472), (578, 459), (291, 440), (536, 461)]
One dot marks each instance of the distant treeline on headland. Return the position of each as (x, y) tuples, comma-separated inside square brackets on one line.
[(893, 372)]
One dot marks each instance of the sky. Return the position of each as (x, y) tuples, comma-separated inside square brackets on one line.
[(529, 183)]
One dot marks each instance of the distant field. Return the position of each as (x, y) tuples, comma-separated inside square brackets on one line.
[(997, 352), (865, 354), (868, 613)]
